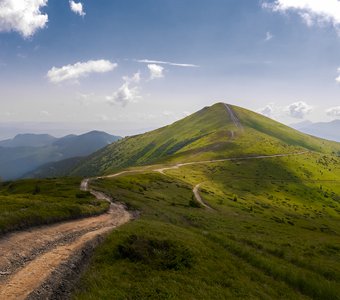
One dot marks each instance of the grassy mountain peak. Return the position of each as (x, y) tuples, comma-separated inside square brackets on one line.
[(219, 131)]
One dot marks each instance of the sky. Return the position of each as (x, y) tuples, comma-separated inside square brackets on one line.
[(126, 66)]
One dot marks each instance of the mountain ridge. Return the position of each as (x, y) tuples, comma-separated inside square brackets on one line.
[(210, 133), (17, 161)]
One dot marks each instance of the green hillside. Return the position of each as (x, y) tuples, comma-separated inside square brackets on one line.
[(270, 231), (31, 202), (207, 134)]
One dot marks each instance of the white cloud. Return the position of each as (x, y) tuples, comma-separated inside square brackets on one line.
[(135, 78), (127, 93), (80, 69), (338, 78), (333, 111), (312, 12), (159, 62), (299, 109), (156, 71), (269, 36), (23, 16), (267, 111), (77, 8)]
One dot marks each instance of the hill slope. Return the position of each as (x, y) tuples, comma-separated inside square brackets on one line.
[(214, 132)]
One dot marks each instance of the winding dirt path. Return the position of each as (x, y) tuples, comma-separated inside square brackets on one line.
[(196, 188), (29, 258), (162, 170), (32, 257), (199, 198)]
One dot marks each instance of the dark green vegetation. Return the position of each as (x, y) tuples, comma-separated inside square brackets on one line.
[(207, 134), (56, 169), (27, 203), (19, 157), (273, 232)]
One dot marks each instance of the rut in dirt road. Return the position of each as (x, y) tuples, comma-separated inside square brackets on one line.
[(31, 257)]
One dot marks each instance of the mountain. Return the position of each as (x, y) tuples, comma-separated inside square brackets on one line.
[(55, 169), (84, 144), (214, 132), (28, 140), (25, 153), (252, 227), (326, 130)]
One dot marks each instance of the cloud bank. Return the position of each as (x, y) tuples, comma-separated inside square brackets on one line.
[(22, 16), (79, 70), (299, 109), (313, 12), (333, 111)]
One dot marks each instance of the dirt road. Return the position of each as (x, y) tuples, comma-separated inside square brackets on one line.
[(162, 170), (199, 198), (32, 257), (35, 263)]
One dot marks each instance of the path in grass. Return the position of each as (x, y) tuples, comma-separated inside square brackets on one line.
[(162, 170), (199, 198), (32, 257), (233, 117)]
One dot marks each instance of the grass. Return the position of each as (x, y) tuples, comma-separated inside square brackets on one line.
[(27, 203), (273, 233), (207, 134)]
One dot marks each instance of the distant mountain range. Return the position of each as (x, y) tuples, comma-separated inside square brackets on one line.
[(325, 130), (26, 152)]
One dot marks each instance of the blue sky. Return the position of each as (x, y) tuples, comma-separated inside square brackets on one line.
[(103, 63)]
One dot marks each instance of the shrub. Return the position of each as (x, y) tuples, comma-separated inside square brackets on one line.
[(158, 254), (36, 190)]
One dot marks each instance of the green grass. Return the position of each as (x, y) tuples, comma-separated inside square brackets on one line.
[(273, 233), (27, 203), (201, 136)]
